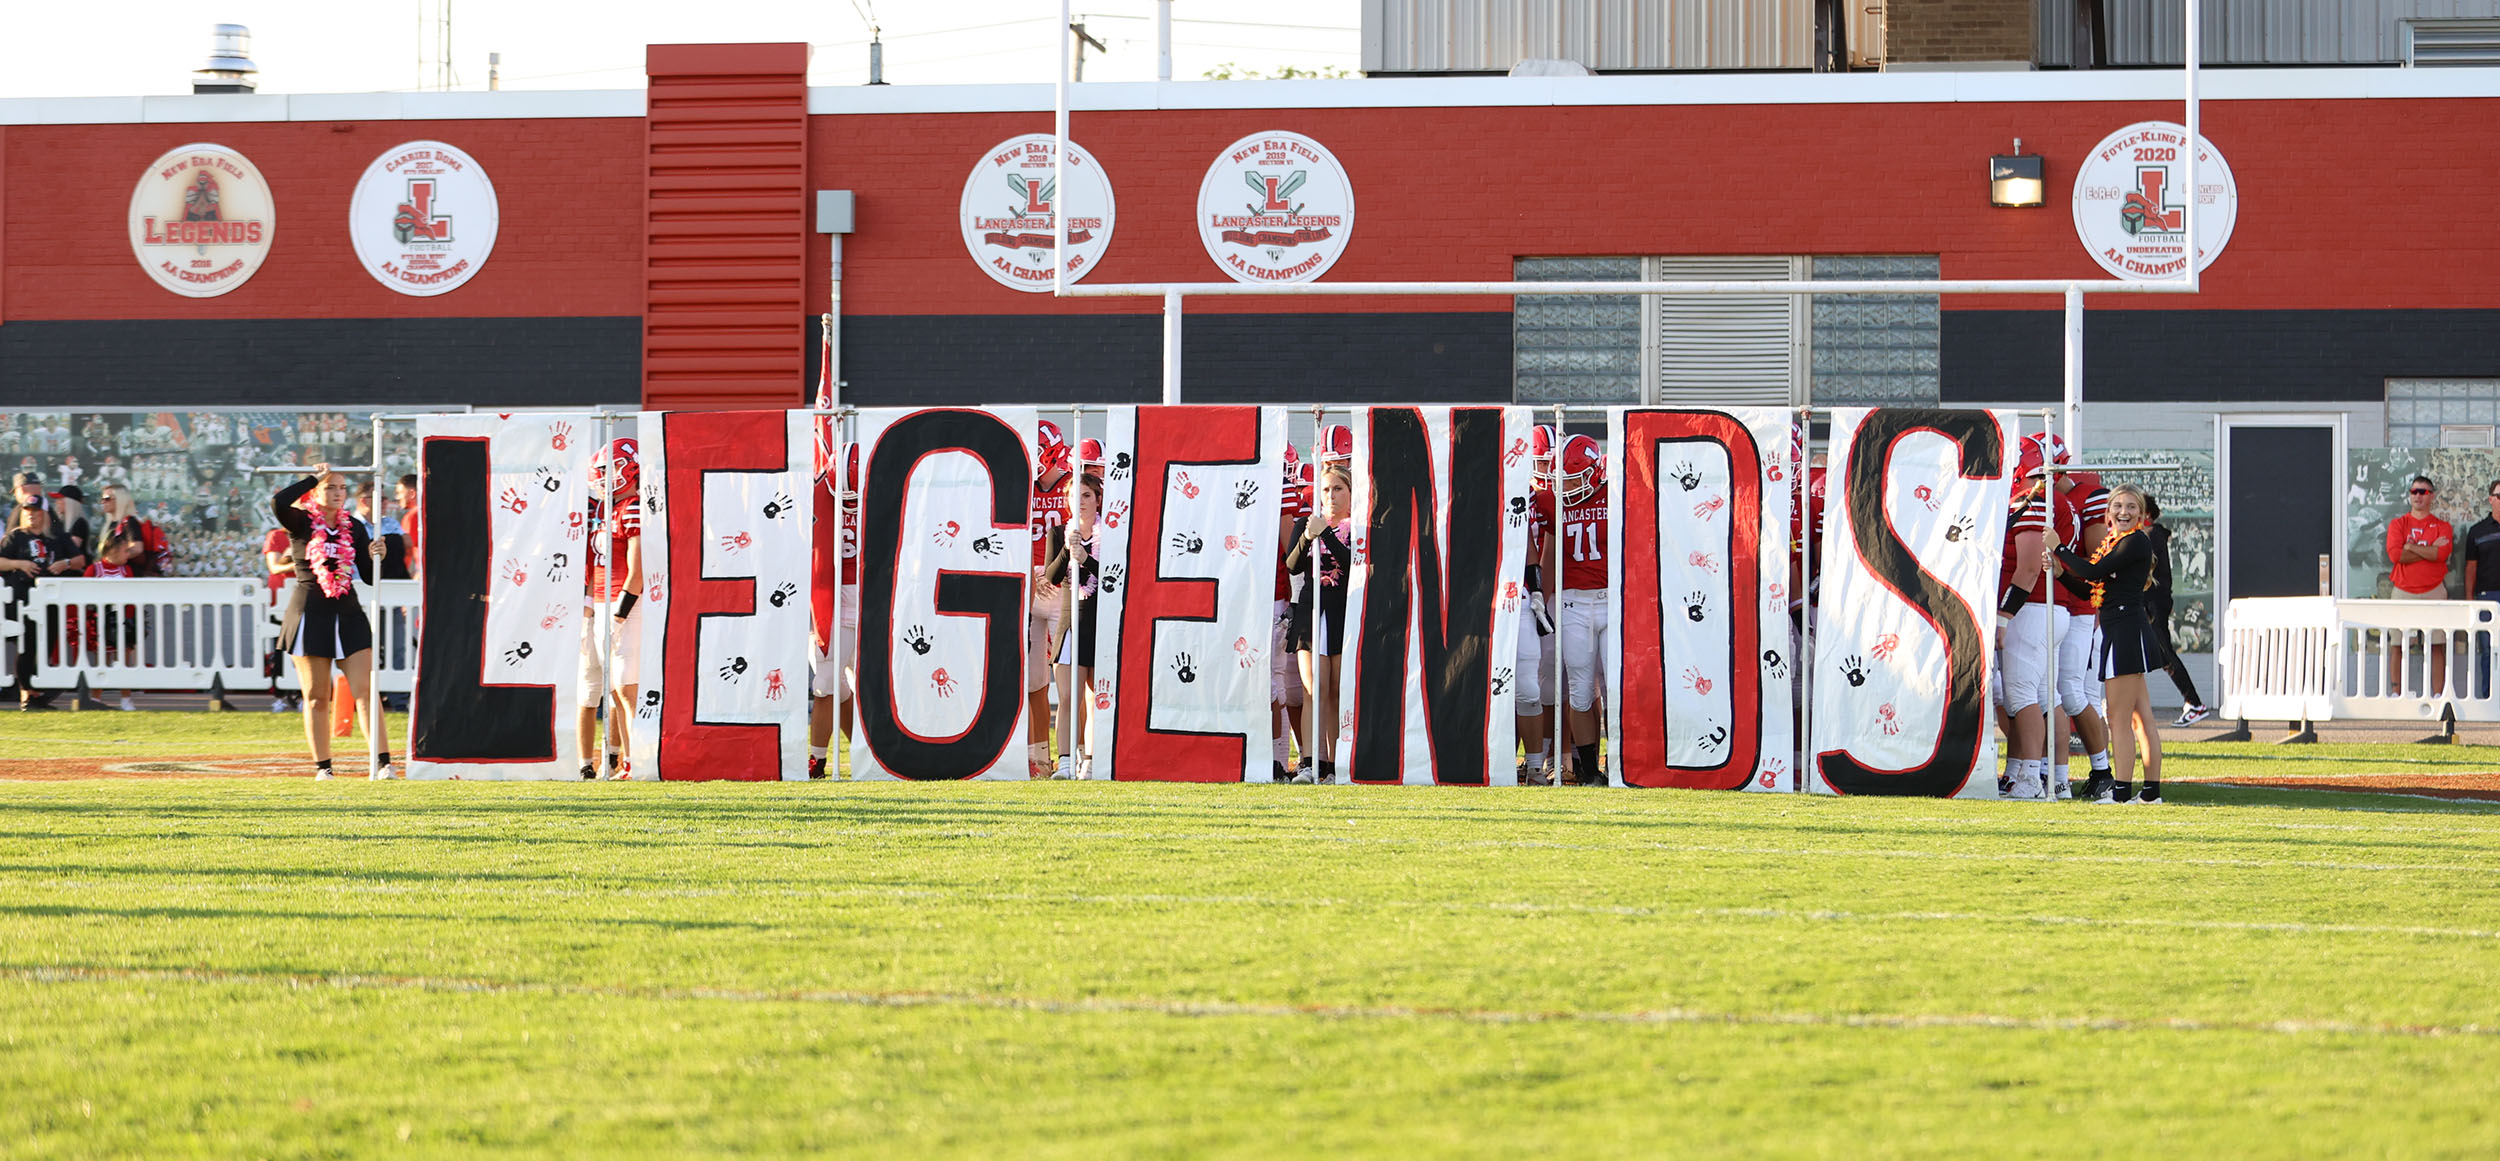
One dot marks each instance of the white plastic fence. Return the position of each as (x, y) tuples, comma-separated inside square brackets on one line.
[(183, 633), (2322, 659)]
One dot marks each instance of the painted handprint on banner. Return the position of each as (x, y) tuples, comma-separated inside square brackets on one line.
[(1246, 495), (573, 525), (1518, 448), (559, 434), (988, 546), (918, 639), (517, 572), (556, 564), (1892, 724), (650, 706), (1772, 772), (1184, 668), (1501, 680), (1696, 606), (777, 507), (1111, 574), (773, 687), (1853, 669), (1704, 561), (944, 685), (1693, 680), (1685, 476), (735, 669), (1960, 530), (736, 542), (555, 616), (782, 594), (1716, 739), (1112, 516), (1709, 508), (1884, 646), (1120, 466), (1774, 665), (1188, 542), (513, 501), (1102, 696), (1239, 545), (517, 654), (945, 535), (1927, 496), (549, 480), (1187, 488)]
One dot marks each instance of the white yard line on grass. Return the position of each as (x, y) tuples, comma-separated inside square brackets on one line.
[(76, 974)]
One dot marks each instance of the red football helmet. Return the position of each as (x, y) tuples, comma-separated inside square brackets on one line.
[(1336, 444), (606, 485), (1293, 463), (1050, 451), (1089, 454), (2027, 465), (1541, 451), (1309, 478), (1581, 469)]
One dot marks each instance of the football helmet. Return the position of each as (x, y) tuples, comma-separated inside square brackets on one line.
[(1336, 444), (1581, 469), (1050, 451), (1543, 445), (616, 470)]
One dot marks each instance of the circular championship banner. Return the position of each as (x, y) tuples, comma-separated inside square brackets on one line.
[(202, 220), (2130, 201), (1275, 207), (1010, 208), (423, 218)]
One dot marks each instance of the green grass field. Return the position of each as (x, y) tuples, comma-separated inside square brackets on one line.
[(292, 969)]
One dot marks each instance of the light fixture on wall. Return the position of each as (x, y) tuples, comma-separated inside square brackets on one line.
[(2018, 179)]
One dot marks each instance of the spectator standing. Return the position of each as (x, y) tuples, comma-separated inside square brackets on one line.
[(2418, 546), (405, 493), (122, 521), (119, 559), (277, 554), (33, 551), (69, 516), (2482, 570), (386, 529), (2157, 603)]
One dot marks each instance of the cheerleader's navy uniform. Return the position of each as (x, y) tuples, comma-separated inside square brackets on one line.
[(318, 624), (2117, 579)]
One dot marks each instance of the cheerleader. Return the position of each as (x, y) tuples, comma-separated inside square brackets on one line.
[(325, 623), (1076, 649), (1318, 635), (2116, 578)]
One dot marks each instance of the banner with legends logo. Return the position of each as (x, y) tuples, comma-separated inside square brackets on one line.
[(2131, 201), (1010, 207), (1275, 207), (423, 218), (202, 220)]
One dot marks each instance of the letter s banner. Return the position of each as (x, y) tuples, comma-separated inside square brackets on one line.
[(725, 531), (496, 695), (945, 577), (1700, 688), (1905, 630)]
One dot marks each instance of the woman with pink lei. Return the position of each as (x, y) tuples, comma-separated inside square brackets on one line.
[(325, 623)]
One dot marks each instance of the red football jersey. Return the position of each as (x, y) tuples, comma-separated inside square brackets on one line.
[(1584, 542), (1050, 512), (822, 554), (609, 549), (2034, 516)]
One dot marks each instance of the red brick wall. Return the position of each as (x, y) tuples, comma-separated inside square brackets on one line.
[(570, 192), (1456, 193)]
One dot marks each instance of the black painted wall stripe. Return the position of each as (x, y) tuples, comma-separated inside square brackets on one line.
[(2213, 356)]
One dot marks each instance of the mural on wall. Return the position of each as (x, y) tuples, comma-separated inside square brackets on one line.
[(2375, 493), (191, 471), (2186, 497)]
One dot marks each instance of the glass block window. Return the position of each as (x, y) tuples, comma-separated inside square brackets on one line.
[(1875, 350), (1576, 348), (2418, 408)]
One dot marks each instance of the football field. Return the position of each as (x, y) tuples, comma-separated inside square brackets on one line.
[(256, 967)]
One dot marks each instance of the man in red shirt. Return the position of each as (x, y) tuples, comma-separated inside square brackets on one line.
[(2418, 544), (1533, 688), (1580, 481), (611, 587)]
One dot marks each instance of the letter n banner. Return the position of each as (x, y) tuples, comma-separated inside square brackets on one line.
[(1185, 601), (1699, 669), (945, 573), (501, 501), (725, 538), (1906, 623), (1433, 604)]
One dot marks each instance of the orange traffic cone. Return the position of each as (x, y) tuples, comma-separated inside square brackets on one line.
[(342, 710)]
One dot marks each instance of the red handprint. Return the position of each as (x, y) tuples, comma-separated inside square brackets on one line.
[(1238, 545), (1704, 561), (945, 534), (554, 617), (513, 501), (655, 588), (944, 685), (1189, 491), (1891, 724), (1709, 508), (1102, 697), (1518, 448), (1926, 495), (773, 687), (559, 434), (736, 542), (512, 568), (1693, 680), (1115, 514), (573, 526), (1884, 646)]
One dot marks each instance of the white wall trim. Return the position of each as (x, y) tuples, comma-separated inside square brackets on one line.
[(2108, 85)]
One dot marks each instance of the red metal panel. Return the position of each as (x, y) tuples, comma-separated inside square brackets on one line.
[(725, 226)]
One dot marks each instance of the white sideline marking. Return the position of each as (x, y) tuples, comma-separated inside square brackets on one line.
[(1223, 1008)]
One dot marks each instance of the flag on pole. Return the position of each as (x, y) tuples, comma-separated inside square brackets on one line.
[(824, 377)]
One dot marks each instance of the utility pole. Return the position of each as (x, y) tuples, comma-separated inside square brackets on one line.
[(1083, 39)]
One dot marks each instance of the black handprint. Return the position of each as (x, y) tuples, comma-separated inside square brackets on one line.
[(654, 500), (1111, 575), (987, 546), (736, 668), (1696, 605), (1501, 682), (918, 639), (650, 704), (1853, 669), (1187, 542), (1120, 465), (549, 480), (1185, 669), (1519, 505), (774, 507), (1246, 495), (556, 563), (1716, 738), (1685, 475), (781, 596), (1773, 664), (516, 654), (1960, 528)]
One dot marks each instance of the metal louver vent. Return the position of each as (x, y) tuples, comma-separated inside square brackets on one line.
[(2451, 43), (1728, 350)]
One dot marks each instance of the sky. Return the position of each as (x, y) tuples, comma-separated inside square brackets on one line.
[(146, 47)]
